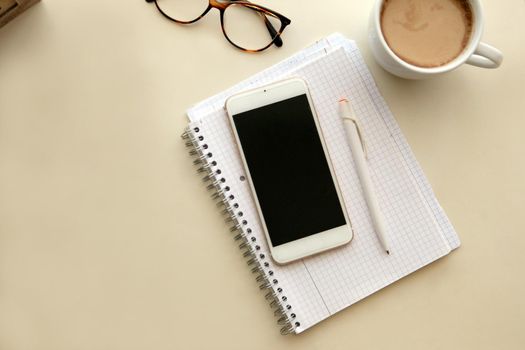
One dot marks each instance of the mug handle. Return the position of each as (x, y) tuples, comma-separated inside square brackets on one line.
[(486, 56)]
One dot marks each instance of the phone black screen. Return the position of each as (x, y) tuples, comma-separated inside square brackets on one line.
[(289, 170)]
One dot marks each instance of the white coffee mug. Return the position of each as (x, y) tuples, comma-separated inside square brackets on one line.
[(475, 53)]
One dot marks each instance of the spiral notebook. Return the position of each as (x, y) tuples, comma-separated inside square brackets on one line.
[(308, 291)]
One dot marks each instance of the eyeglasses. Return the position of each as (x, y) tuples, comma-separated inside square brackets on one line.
[(247, 26)]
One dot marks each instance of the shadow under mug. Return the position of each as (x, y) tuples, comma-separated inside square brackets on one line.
[(475, 53)]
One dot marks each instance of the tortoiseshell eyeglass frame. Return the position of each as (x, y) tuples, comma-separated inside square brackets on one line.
[(221, 5)]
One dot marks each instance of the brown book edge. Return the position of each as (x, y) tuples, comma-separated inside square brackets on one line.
[(9, 9)]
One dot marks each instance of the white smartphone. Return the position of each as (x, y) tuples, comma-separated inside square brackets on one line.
[(289, 172)]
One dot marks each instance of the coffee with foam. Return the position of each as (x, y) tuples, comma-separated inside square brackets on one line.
[(427, 33)]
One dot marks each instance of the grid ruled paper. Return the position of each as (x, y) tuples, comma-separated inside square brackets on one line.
[(350, 47), (319, 286)]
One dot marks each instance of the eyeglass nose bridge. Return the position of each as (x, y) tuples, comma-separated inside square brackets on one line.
[(219, 4)]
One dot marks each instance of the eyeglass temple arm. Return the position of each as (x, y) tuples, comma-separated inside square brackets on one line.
[(273, 32), (277, 41)]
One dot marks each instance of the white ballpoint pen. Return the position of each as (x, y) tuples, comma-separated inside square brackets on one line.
[(354, 136)]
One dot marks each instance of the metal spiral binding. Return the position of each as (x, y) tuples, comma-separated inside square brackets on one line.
[(256, 260)]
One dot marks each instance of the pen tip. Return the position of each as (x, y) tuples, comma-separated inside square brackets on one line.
[(388, 252)]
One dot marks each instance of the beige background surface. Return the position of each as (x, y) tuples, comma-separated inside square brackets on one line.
[(108, 240)]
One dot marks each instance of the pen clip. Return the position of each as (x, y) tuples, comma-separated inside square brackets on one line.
[(359, 133)]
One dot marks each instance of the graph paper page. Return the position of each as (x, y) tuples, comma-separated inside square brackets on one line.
[(317, 287)]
